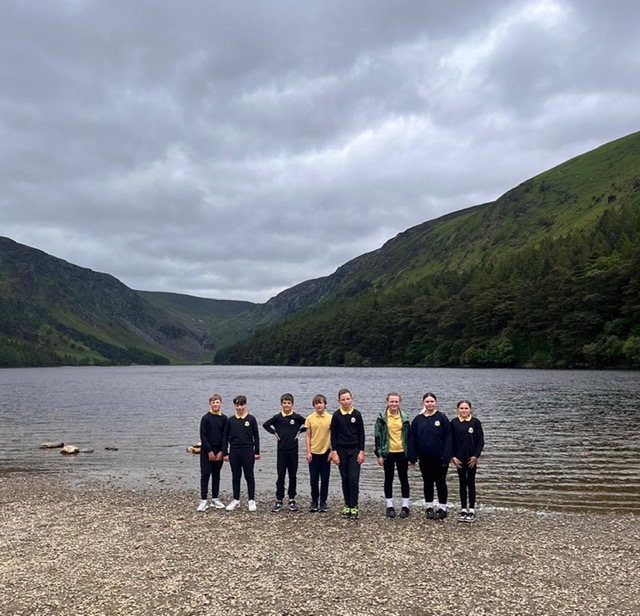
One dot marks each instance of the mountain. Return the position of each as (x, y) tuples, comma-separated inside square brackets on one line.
[(547, 275), (55, 313)]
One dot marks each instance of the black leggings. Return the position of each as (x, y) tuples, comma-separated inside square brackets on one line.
[(242, 460), (467, 477), (209, 469), (391, 462), (350, 475), (433, 471), (319, 473), (287, 462)]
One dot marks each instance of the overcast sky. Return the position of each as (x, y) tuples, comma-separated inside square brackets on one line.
[(232, 149)]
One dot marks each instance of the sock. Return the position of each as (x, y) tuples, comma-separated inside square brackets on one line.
[(405, 502), (430, 505), (442, 506), (472, 510), (389, 502)]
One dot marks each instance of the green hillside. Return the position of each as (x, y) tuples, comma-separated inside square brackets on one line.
[(55, 313), (216, 321), (547, 275)]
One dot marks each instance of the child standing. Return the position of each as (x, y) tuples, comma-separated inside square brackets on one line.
[(468, 442), (212, 427), (392, 438), (241, 448), (286, 426), (347, 444), (431, 445), (318, 442)]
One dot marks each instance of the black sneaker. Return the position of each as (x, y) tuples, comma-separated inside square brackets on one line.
[(462, 517), (277, 506), (429, 512), (471, 517), (391, 512), (404, 512), (323, 508), (313, 507), (441, 514), (293, 506), (346, 512)]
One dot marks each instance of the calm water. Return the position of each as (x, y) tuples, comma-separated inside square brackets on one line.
[(554, 440)]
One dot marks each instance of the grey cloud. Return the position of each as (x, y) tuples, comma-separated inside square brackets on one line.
[(232, 150)]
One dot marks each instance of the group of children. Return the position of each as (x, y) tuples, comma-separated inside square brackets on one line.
[(431, 440)]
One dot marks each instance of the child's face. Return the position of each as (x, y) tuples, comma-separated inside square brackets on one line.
[(345, 401), (215, 405), (287, 406), (240, 408), (320, 406), (393, 402), (429, 404), (464, 410)]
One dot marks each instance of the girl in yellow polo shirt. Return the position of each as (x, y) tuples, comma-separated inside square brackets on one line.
[(392, 438)]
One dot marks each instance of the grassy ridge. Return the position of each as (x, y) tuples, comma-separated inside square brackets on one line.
[(547, 275)]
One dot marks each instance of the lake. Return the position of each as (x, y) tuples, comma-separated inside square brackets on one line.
[(555, 440)]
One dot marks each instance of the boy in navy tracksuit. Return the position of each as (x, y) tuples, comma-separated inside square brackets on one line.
[(468, 442), (212, 427), (431, 440), (241, 448), (286, 426), (347, 445)]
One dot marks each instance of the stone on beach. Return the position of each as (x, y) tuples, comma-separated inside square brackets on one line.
[(153, 551), (70, 450)]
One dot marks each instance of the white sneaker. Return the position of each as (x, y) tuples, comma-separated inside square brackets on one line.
[(202, 505), (216, 503), (232, 505), (252, 505)]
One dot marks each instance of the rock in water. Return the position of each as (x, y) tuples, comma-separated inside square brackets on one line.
[(53, 445), (70, 450)]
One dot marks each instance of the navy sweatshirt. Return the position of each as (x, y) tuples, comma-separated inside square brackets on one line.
[(241, 433), (211, 432), (287, 427), (347, 431), (431, 437), (467, 438)]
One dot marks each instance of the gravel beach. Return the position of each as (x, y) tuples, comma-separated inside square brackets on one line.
[(100, 549)]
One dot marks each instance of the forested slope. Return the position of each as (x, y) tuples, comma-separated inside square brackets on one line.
[(548, 275)]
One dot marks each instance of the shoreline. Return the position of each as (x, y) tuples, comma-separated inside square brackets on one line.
[(93, 548)]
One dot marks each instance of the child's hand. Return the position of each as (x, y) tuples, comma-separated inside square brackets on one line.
[(335, 457), (360, 458), (257, 456), (456, 462), (380, 461), (218, 457), (309, 456), (225, 458), (472, 461), (212, 457)]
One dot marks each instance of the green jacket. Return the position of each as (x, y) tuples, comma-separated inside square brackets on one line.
[(381, 434)]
